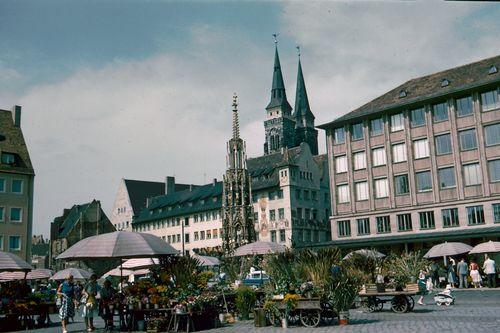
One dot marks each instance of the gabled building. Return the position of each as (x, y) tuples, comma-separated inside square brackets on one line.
[(76, 223), (16, 186), (420, 164), (40, 252)]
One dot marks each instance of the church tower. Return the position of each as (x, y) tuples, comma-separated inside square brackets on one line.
[(304, 118), (279, 124), (237, 198)]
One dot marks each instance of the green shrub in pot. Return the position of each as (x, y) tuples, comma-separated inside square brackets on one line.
[(245, 301)]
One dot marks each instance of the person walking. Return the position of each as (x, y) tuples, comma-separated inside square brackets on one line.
[(474, 274), (108, 295), (90, 303), (435, 274), (452, 276), (66, 291), (422, 287), (463, 272), (490, 269)]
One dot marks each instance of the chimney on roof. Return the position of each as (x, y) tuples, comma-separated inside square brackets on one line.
[(190, 187), (169, 185), (214, 181), (17, 115)]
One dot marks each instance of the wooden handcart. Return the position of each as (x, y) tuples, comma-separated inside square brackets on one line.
[(401, 301), (309, 312)]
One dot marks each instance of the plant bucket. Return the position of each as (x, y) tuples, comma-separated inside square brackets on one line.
[(284, 323), (343, 318)]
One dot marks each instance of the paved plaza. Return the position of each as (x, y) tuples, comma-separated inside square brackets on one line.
[(475, 311)]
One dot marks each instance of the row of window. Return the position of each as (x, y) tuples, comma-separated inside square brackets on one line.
[(307, 236), (423, 181), (197, 236), (14, 243), (439, 112), (201, 202), (8, 158), (282, 235), (467, 141), (15, 214), (122, 225), (16, 186), (272, 195), (121, 210), (426, 220)]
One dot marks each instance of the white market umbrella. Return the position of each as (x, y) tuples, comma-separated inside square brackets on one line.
[(140, 263), (259, 248), (447, 249), (9, 262), (36, 274), (488, 247), (118, 244), (365, 252), (118, 272), (77, 273), (207, 261)]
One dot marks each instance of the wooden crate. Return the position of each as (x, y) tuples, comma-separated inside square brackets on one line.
[(412, 287)]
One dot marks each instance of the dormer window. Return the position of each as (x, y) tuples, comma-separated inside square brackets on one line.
[(403, 93), (8, 158), (445, 83), (493, 70)]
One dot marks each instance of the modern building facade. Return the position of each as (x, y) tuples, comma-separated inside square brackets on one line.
[(16, 186), (419, 164)]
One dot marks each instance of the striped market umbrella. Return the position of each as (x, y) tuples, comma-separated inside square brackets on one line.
[(9, 262), (367, 253), (207, 261), (36, 274), (259, 248), (447, 249), (77, 273), (488, 247)]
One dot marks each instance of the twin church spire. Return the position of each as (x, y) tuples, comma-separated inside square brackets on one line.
[(284, 130)]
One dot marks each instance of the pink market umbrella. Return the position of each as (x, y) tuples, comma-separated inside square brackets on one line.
[(488, 247), (118, 272), (36, 274), (77, 273), (9, 262), (259, 247), (447, 249), (140, 263)]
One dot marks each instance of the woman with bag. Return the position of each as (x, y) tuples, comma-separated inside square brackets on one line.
[(422, 287), (66, 295), (90, 303)]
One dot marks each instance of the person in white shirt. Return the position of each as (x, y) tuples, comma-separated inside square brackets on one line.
[(489, 268)]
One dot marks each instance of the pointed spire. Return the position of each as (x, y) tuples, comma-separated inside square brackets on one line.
[(302, 108), (236, 123), (278, 94)]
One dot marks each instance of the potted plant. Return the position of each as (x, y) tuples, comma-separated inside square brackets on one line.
[(346, 285), (245, 301), (291, 301)]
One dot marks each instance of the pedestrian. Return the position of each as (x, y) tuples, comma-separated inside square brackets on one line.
[(463, 272), (90, 303), (452, 276), (474, 274), (435, 274), (422, 287), (489, 268), (108, 294), (66, 292)]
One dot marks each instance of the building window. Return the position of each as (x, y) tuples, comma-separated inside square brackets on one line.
[(1, 242), (16, 214), (298, 194), (17, 186), (475, 215), (397, 122), (307, 213), (361, 191), (427, 220), (215, 233), (467, 139), (357, 131), (282, 236), (202, 235), (186, 238), (496, 213), (273, 236), (314, 195), (272, 195), (492, 134), (8, 158), (14, 243), (280, 194), (421, 148), (404, 222), (306, 195), (272, 215), (464, 106), (209, 234), (424, 181), (472, 174), (401, 184), (417, 117), (443, 144), (446, 177), (339, 135), (383, 224), (2, 214), (281, 213), (2, 185), (440, 112), (344, 228), (343, 193), (450, 217), (363, 226), (381, 188), (341, 164), (378, 156), (376, 126), (494, 170), (489, 100), (359, 160), (399, 152)]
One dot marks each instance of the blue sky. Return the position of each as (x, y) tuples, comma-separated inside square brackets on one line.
[(142, 89)]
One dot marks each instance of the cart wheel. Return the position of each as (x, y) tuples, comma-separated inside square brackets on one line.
[(447, 303), (310, 318), (379, 304), (327, 314), (399, 304), (411, 303), (293, 318), (274, 319), (439, 303), (371, 304)]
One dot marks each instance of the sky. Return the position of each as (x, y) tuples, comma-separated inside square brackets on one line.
[(143, 89)]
